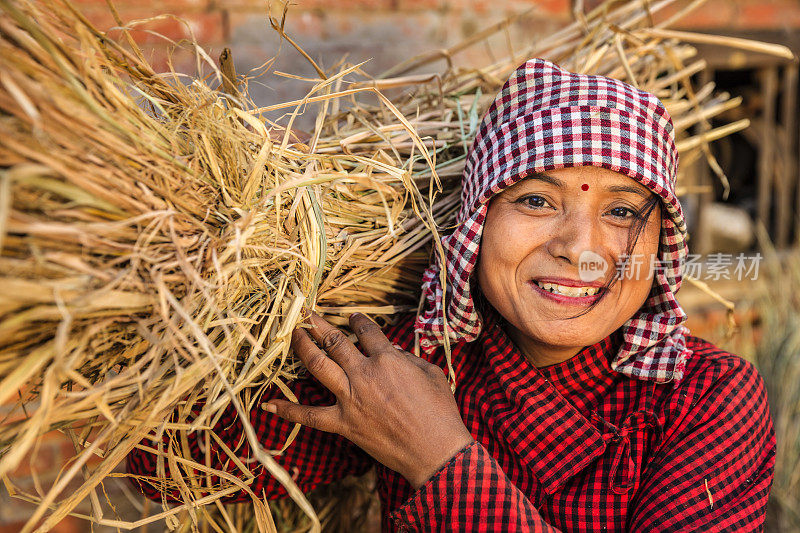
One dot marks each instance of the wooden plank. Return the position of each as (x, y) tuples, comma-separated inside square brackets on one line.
[(725, 58), (766, 167), (786, 179), (702, 237)]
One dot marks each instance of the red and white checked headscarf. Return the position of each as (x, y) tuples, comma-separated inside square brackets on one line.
[(545, 118)]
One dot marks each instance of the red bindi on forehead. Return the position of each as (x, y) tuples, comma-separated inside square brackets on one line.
[(585, 187)]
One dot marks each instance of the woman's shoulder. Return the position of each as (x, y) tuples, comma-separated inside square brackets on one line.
[(717, 387), (709, 363)]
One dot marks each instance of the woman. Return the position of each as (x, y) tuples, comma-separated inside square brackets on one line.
[(581, 402)]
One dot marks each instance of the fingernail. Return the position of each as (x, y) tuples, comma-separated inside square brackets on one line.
[(271, 408)]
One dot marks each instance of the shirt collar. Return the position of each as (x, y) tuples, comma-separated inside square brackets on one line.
[(586, 378), (545, 429)]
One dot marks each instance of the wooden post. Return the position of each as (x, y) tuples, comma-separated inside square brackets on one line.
[(786, 179), (702, 236), (769, 88)]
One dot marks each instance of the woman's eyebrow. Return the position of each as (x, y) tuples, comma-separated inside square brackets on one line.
[(641, 191), (544, 177)]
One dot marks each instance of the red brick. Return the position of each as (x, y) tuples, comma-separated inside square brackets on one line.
[(413, 5), (162, 6), (768, 15), (68, 525), (305, 5), (54, 451), (760, 16), (206, 25), (48, 459), (349, 5), (306, 23), (15, 527), (738, 14), (183, 60), (712, 14), (555, 7), (495, 8)]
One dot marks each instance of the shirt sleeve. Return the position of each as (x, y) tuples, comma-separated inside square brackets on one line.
[(715, 466), (470, 493), (314, 458)]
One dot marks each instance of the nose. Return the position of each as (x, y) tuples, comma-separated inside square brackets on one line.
[(574, 233)]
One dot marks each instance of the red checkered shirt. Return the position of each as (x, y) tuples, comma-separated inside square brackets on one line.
[(573, 446)]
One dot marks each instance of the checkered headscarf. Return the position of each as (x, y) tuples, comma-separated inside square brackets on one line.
[(545, 118)]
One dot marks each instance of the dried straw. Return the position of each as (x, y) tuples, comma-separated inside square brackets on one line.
[(158, 237)]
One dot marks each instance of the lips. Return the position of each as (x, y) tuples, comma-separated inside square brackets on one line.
[(568, 291)]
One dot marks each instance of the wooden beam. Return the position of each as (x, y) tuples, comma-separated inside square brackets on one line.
[(787, 178), (702, 238), (769, 89)]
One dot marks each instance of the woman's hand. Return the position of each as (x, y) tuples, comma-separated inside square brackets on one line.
[(392, 404)]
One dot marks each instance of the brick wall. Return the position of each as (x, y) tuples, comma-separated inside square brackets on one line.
[(746, 15), (41, 469), (383, 31), (220, 22)]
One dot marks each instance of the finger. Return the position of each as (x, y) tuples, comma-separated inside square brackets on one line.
[(334, 342), (324, 418), (319, 364), (370, 336)]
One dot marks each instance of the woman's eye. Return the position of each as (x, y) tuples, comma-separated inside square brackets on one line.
[(534, 200), (623, 212)]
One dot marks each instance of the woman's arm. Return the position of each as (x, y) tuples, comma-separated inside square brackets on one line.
[(400, 409), (470, 493), (712, 471), (395, 406)]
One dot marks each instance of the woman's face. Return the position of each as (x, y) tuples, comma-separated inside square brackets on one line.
[(541, 257)]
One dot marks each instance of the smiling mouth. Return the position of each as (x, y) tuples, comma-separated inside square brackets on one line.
[(563, 290)]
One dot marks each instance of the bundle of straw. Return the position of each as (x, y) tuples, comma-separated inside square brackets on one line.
[(158, 244), (158, 237)]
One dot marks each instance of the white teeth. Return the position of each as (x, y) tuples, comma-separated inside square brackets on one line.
[(569, 291)]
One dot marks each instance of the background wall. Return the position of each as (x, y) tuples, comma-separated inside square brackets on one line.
[(391, 29), (387, 32)]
